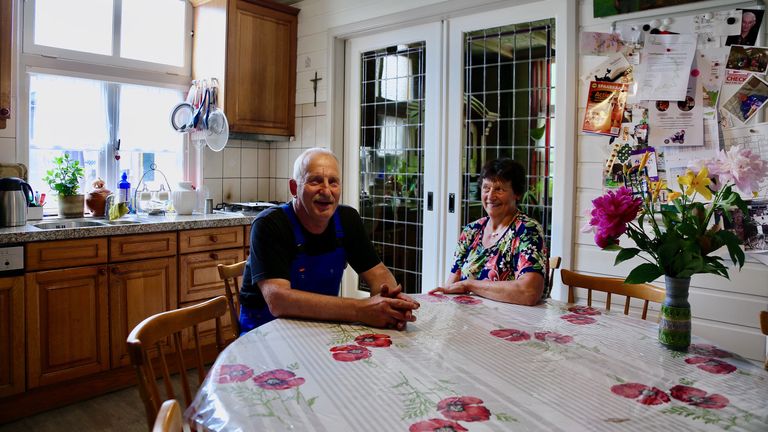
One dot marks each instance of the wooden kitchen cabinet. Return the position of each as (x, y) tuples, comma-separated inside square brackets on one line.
[(11, 335), (250, 45), (67, 324), (137, 290), (198, 276), (6, 46), (49, 255)]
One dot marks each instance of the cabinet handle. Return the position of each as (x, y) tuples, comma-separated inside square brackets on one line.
[(214, 239), (5, 113), (214, 256), (102, 271)]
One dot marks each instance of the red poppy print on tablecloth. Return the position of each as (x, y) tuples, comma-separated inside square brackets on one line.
[(553, 336), (641, 393), (711, 365), (467, 300), (511, 335), (349, 353), (464, 408), (374, 340), (698, 397), (578, 319), (435, 297), (278, 379), (437, 425), (233, 373), (584, 310), (707, 350)]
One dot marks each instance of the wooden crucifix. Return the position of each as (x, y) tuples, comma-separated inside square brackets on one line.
[(314, 86)]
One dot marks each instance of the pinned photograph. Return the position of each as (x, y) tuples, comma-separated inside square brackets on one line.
[(748, 100), (750, 59), (752, 228), (750, 28)]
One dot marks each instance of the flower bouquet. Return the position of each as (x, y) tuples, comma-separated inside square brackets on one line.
[(676, 240)]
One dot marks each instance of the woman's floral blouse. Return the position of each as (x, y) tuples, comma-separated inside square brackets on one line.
[(520, 250)]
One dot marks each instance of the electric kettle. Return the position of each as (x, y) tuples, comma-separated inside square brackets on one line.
[(15, 195)]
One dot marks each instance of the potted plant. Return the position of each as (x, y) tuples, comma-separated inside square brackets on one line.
[(65, 179)]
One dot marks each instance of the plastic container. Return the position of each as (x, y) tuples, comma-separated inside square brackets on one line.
[(124, 187)]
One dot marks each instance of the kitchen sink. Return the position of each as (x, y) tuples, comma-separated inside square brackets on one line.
[(121, 222), (63, 224)]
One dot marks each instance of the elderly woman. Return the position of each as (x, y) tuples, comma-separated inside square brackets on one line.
[(500, 256)]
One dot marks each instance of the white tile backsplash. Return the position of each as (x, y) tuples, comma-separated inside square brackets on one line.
[(231, 190), (264, 155), (281, 163), (249, 190), (232, 157), (214, 189), (212, 164), (8, 150), (249, 163), (308, 132), (262, 188), (321, 140)]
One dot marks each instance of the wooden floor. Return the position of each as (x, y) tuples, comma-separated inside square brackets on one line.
[(121, 411)]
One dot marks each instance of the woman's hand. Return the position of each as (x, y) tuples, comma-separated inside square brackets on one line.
[(460, 287)]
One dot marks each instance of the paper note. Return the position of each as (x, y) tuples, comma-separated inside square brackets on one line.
[(680, 157), (665, 67), (710, 65), (718, 23)]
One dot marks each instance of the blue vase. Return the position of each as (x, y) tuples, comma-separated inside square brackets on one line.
[(675, 324)]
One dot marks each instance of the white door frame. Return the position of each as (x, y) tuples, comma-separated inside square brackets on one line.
[(431, 35), (564, 123)]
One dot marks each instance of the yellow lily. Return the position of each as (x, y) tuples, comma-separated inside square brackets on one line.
[(657, 187), (673, 196), (696, 183), (643, 161)]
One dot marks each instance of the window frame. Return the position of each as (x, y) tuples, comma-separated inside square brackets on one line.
[(29, 47), (55, 61)]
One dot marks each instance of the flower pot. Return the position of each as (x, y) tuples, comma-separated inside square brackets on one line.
[(675, 324), (71, 205)]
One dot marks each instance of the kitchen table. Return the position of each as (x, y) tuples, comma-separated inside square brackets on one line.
[(474, 364)]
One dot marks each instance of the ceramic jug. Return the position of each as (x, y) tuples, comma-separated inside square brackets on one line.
[(184, 198), (96, 199)]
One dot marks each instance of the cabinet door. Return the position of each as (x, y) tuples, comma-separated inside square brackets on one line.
[(61, 254), (142, 246), (67, 322), (11, 335), (6, 33), (261, 67), (198, 276), (137, 290), (208, 239)]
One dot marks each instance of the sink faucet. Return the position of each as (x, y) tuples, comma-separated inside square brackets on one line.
[(107, 204)]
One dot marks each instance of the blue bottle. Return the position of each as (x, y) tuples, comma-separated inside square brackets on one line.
[(125, 189)]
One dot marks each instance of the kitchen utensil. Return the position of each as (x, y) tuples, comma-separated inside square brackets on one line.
[(15, 195), (184, 198)]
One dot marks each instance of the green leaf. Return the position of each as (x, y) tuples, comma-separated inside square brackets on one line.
[(626, 254), (643, 273), (612, 247), (733, 244)]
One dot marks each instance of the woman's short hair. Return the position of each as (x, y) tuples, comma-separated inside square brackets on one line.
[(507, 170)]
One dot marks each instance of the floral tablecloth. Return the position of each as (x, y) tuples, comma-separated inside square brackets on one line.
[(472, 364)]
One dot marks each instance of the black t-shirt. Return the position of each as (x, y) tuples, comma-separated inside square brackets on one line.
[(273, 248)]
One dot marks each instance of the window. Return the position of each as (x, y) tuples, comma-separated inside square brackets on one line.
[(102, 91)]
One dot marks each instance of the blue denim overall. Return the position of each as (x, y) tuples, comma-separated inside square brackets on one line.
[(319, 274)]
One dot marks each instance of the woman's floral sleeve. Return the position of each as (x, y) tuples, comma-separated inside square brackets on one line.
[(462, 248), (530, 250)]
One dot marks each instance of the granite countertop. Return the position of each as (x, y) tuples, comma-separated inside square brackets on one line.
[(130, 224)]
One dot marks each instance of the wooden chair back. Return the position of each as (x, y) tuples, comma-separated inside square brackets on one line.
[(554, 264), (148, 348), (169, 418), (229, 274), (764, 328), (646, 292)]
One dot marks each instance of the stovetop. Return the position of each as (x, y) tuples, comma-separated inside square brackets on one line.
[(251, 208)]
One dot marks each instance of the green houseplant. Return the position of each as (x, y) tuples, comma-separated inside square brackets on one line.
[(677, 240), (65, 179)]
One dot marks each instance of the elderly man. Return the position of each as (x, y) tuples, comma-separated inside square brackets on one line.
[(299, 252), (750, 24)]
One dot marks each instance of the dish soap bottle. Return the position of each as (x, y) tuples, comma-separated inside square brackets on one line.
[(125, 189)]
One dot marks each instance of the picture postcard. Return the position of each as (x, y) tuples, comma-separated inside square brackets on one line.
[(748, 99), (605, 108), (750, 59)]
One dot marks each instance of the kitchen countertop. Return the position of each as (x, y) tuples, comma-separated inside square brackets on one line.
[(147, 224)]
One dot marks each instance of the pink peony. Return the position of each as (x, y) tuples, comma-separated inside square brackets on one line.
[(738, 166), (611, 213)]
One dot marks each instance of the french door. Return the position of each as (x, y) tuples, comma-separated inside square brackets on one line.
[(427, 106)]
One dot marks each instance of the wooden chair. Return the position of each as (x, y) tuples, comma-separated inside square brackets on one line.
[(146, 344), (230, 273), (554, 264), (169, 418), (646, 292), (764, 327)]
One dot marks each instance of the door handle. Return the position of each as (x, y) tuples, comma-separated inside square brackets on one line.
[(451, 202), (429, 201)]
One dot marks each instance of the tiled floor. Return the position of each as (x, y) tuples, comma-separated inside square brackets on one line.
[(121, 411)]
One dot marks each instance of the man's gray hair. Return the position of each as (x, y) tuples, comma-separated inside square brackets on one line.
[(301, 162)]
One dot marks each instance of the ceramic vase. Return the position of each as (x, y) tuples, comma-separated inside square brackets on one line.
[(675, 324), (96, 200), (71, 206)]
